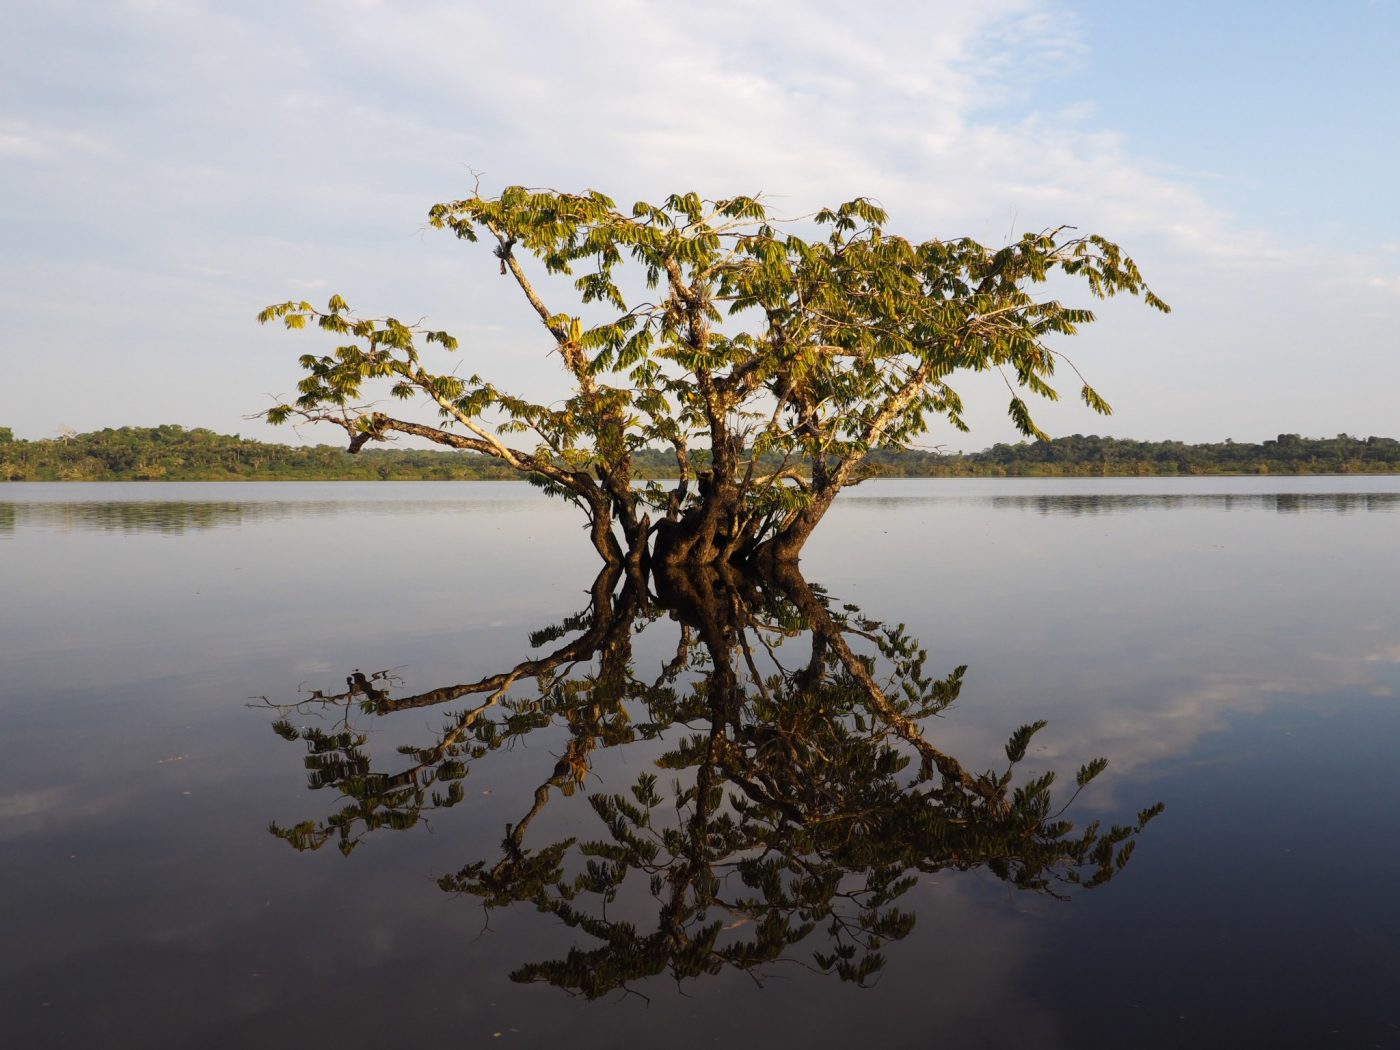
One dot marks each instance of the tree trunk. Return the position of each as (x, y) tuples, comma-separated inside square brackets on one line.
[(785, 547), (601, 531)]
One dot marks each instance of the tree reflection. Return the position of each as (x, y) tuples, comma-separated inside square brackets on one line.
[(801, 797), (133, 516)]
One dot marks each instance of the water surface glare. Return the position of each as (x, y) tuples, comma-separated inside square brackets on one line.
[(301, 764)]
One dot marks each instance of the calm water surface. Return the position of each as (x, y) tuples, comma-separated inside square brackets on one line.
[(1231, 645)]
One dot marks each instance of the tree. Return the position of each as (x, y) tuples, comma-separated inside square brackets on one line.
[(712, 323)]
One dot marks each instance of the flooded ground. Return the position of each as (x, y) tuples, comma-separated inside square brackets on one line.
[(299, 764)]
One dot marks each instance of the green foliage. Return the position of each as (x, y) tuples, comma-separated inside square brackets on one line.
[(175, 454), (1080, 456), (172, 453), (803, 343)]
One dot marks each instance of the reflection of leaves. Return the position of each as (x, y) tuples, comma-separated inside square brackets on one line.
[(552, 633), (1020, 740), (338, 760), (803, 803), (812, 828)]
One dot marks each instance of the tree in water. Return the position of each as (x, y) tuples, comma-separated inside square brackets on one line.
[(769, 363)]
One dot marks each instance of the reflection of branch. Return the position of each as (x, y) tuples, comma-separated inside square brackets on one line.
[(603, 622), (796, 812), (820, 618), (358, 687)]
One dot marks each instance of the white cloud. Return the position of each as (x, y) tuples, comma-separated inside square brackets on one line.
[(1389, 654), (24, 141), (317, 148)]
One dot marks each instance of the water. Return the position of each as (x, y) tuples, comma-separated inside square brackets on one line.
[(1231, 645)]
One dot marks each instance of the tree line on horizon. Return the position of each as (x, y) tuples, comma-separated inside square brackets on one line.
[(173, 453)]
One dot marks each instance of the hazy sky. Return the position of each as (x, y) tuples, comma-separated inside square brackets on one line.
[(167, 168)]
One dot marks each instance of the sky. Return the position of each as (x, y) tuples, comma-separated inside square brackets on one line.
[(168, 168)]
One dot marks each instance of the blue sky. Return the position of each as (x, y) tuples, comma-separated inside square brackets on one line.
[(167, 168)]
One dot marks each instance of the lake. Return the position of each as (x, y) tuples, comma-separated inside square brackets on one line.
[(356, 764)]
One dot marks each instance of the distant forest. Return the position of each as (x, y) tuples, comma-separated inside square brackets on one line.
[(175, 454)]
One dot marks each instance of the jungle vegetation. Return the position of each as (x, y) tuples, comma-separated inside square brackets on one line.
[(173, 453)]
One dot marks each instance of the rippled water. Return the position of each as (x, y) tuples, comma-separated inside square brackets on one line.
[(1232, 646)]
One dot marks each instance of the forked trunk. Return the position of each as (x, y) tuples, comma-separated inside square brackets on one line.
[(785, 546), (711, 534)]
